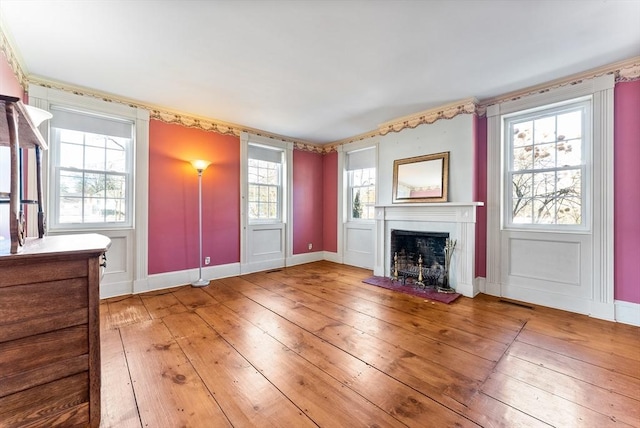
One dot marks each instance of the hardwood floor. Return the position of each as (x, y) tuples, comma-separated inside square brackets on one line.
[(312, 345)]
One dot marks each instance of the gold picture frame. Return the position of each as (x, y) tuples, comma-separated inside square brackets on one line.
[(421, 178)]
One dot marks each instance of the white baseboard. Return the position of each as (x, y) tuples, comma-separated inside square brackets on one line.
[(332, 257), (480, 284), (167, 280), (300, 259), (114, 289), (627, 312)]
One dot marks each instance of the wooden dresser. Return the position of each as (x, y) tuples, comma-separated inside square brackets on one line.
[(50, 331)]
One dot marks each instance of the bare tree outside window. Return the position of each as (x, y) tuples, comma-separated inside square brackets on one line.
[(546, 167)]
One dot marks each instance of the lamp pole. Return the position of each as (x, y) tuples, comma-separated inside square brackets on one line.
[(200, 166)]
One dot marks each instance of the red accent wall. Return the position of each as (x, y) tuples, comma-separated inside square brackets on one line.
[(626, 194), (9, 84), (480, 195), (307, 201), (173, 197), (330, 201)]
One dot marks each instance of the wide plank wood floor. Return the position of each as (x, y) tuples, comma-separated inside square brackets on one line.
[(312, 345)]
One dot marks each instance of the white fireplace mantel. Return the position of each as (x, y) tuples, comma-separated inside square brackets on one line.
[(456, 218)]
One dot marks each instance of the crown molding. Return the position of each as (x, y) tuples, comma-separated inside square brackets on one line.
[(448, 111), (173, 116), (13, 60), (623, 71)]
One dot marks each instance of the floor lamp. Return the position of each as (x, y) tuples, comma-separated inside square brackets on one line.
[(200, 166)]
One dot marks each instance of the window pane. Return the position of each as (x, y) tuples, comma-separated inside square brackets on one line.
[(114, 210), (70, 210), (116, 161), (570, 125), (70, 183), (544, 211), (570, 211), (545, 130), (523, 158), (94, 158), (544, 184), (570, 183), (522, 185), (94, 185), (544, 156), (116, 186), (93, 210), (522, 133), (71, 155), (522, 210), (569, 152)]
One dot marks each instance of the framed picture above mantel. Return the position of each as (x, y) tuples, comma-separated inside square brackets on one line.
[(421, 178)]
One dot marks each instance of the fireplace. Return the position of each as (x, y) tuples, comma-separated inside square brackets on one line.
[(455, 220), (412, 251)]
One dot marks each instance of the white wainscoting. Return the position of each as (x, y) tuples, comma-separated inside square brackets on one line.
[(358, 242)]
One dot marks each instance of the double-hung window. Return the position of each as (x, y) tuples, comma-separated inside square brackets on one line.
[(92, 170), (546, 166), (265, 184), (361, 178)]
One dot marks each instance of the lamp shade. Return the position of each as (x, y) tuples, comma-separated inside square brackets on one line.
[(37, 114), (200, 164)]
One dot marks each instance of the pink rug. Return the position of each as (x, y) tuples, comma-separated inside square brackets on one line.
[(410, 288)]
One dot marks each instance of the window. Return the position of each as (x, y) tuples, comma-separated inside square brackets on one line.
[(265, 184), (92, 158), (546, 166), (361, 180)]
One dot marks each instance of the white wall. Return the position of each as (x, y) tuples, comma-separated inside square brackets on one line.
[(454, 135)]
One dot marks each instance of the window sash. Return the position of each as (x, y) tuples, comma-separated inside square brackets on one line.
[(360, 166), (544, 176), (264, 201), (110, 207)]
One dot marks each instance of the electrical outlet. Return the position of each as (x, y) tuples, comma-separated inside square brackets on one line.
[(207, 260), (310, 245)]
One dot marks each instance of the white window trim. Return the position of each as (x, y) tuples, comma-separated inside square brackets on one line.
[(42, 97), (343, 191), (287, 185), (601, 88)]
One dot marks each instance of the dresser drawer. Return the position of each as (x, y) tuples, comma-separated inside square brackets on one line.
[(37, 308)]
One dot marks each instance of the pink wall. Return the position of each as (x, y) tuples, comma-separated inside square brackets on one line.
[(626, 191), (9, 84), (330, 201), (173, 197), (307, 201), (480, 195)]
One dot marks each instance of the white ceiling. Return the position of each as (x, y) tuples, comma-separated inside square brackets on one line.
[(315, 70)]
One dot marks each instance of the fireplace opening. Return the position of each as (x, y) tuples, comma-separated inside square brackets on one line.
[(412, 252)]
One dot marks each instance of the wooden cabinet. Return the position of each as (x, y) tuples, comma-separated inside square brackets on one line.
[(50, 331)]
